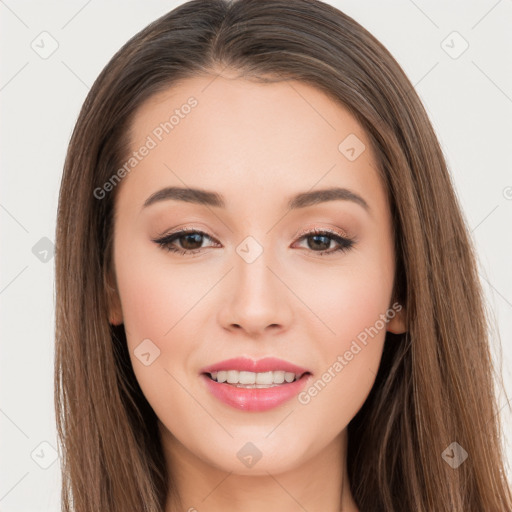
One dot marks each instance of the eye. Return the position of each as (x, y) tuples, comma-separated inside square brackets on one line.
[(321, 239), (191, 241)]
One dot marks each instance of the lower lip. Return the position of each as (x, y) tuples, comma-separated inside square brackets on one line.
[(255, 399)]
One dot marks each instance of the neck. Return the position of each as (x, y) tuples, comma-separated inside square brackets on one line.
[(319, 483)]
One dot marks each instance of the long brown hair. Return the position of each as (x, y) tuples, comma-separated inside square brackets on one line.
[(435, 384)]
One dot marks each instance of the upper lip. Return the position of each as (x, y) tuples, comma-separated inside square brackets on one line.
[(267, 364)]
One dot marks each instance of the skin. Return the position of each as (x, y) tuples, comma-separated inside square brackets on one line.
[(257, 145)]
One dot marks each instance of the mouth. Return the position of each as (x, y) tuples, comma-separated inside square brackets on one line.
[(255, 380), (252, 391), (254, 385)]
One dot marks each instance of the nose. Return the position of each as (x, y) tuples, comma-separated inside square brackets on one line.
[(258, 299)]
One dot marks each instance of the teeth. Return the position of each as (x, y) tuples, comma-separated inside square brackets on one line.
[(279, 377), (251, 379), (247, 378), (232, 377)]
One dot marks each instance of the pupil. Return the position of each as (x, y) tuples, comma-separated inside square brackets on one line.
[(326, 242), (190, 237)]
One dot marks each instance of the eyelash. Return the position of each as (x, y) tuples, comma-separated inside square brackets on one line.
[(344, 244)]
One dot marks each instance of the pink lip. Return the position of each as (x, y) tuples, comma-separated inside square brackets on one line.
[(268, 364), (255, 399)]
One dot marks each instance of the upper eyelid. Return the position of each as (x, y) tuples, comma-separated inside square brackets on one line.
[(300, 234), (329, 231)]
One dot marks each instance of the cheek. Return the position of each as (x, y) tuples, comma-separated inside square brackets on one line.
[(153, 295), (154, 304), (147, 305), (348, 300), (353, 311), (161, 303), (356, 315), (349, 361)]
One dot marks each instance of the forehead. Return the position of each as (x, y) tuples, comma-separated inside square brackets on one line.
[(218, 104), (244, 137)]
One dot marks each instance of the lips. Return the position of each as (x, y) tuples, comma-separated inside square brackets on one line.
[(268, 364), (254, 397)]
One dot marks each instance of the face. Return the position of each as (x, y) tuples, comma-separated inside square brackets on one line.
[(257, 275)]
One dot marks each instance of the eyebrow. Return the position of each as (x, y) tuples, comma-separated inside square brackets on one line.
[(214, 199)]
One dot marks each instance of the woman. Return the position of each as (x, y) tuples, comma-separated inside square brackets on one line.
[(327, 349)]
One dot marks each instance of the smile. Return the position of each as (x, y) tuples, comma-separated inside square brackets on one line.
[(254, 380), (256, 386)]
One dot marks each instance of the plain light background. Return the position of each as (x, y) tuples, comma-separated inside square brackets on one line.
[(466, 91)]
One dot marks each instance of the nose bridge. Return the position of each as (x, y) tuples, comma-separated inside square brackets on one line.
[(253, 277), (258, 297)]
